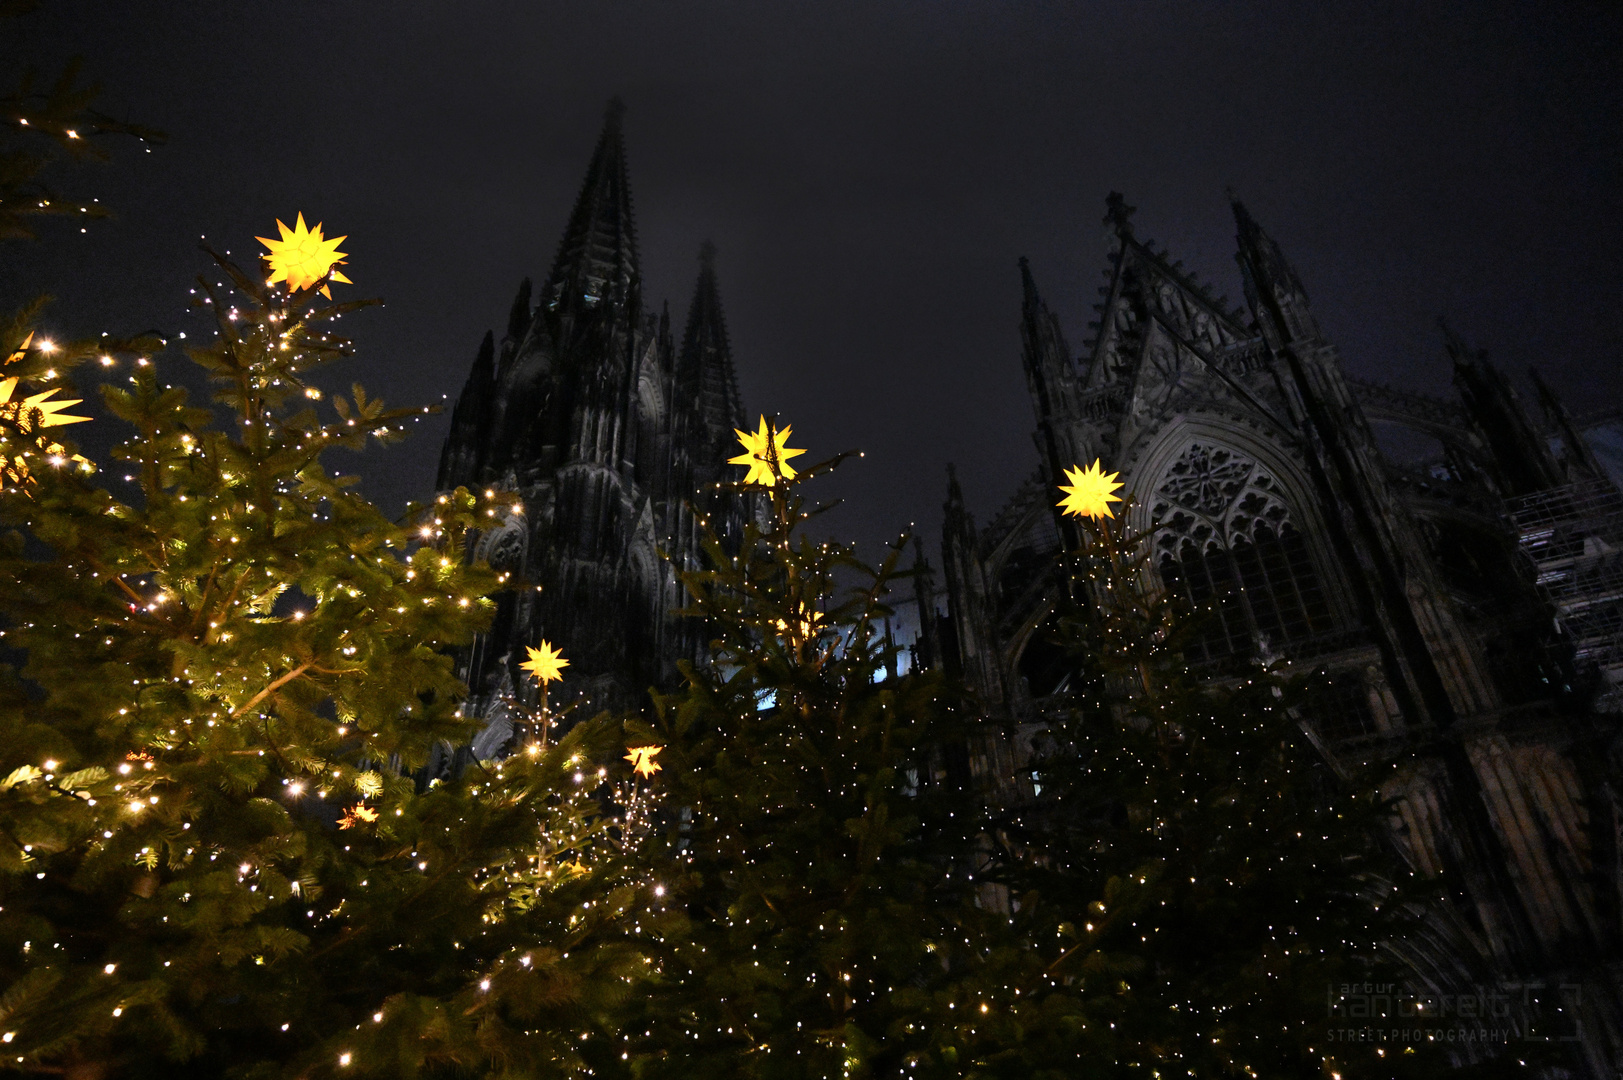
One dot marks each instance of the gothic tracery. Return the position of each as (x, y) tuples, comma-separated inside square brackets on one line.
[(1228, 544), (1217, 496)]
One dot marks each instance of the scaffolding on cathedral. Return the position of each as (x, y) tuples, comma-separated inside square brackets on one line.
[(1573, 536)]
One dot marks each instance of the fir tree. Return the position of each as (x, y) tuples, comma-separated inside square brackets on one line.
[(214, 856), (822, 915), (1193, 870), (39, 129)]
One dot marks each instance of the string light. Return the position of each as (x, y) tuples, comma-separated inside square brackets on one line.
[(565, 849)]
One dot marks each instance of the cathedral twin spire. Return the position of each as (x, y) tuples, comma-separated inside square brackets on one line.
[(583, 335), (704, 367), (587, 409)]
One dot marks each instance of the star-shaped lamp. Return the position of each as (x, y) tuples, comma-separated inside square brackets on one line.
[(1090, 491), (759, 448), (545, 663), (642, 759), (806, 626), (32, 413), (357, 815), (303, 256), (29, 416)]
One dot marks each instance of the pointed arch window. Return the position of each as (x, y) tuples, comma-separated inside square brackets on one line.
[(1229, 547)]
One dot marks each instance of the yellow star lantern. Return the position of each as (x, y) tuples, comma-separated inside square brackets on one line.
[(22, 350), (1089, 493), (806, 626), (545, 663), (642, 759), (759, 449), (303, 256), (358, 814), (31, 415)]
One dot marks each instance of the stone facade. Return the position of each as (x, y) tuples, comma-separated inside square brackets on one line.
[(614, 434), (1242, 439), (1239, 434)]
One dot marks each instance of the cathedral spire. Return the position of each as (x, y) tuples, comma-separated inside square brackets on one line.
[(1581, 461), (1521, 457), (970, 599), (1118, 215), (518, 319), (705, 376), (597, 260), (927, 646), (463, 451), (1275, 294), (957, 516), (1049, 373), (1050, 376)]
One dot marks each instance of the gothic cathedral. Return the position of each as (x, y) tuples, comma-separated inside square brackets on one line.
[(614, 436), (1468, 609)]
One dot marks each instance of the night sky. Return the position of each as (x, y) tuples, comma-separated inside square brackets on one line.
[(870, 171)]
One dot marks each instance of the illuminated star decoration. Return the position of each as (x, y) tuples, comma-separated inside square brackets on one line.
[(357, 814), (22, 350), (303, 256), (29, 417), (807, 625), (642, 759), (756, 450), (1089, 494), (545, 663)]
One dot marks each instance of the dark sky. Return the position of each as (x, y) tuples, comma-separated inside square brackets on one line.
[(870, 171)]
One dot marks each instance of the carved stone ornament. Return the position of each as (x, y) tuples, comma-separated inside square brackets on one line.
[(1215, 497)]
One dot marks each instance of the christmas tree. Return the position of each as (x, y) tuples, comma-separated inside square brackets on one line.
[(1194, 869), (218, 852), (822, 914)]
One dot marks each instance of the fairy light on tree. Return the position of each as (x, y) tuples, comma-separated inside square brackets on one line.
[(238, 676), (1193, 872), (218, 702), (50, 124), (820, 866)]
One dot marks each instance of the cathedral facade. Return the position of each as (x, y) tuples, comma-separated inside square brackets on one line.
[(614, 434), (1466, 608)]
